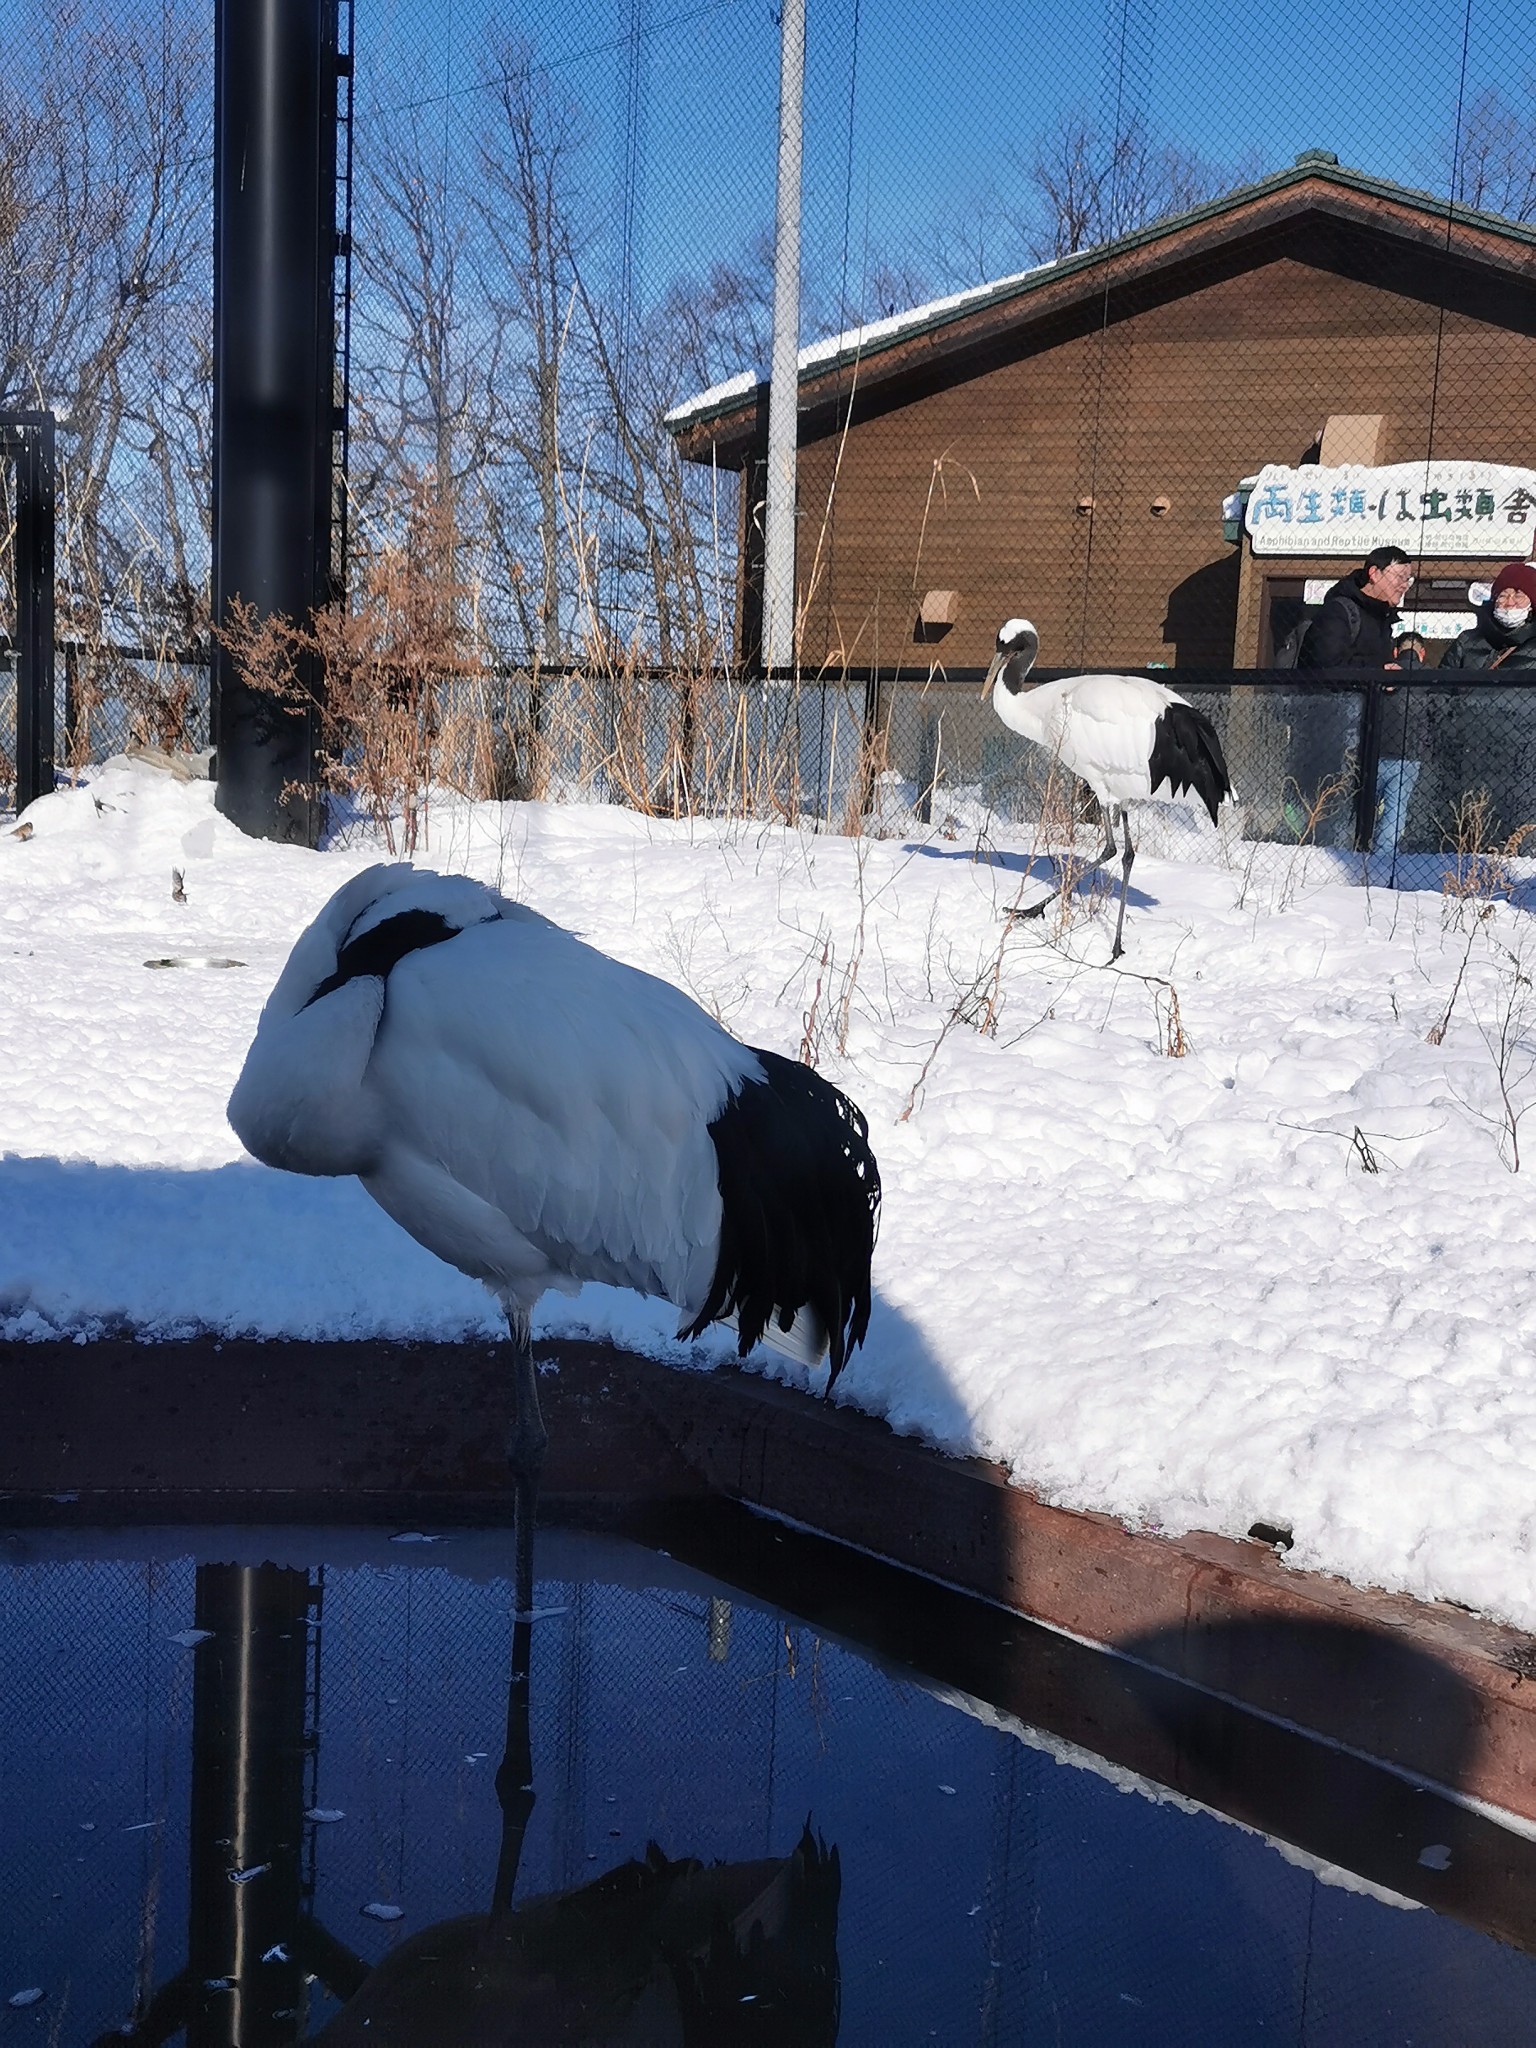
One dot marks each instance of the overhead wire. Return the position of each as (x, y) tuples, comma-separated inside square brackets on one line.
[(1434, 382)]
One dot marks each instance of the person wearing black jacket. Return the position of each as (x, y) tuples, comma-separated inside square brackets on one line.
[(1483, 742), (1355, 631), (1359, 615), (1505, 634)]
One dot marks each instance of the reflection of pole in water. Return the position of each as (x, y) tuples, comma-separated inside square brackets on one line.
[(250, 1946), (249, 1748), (719, 1630)]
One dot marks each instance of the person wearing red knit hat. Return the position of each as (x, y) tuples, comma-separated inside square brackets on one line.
[(1505, 634), (1473, 745)]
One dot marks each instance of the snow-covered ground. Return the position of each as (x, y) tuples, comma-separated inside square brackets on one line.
[(1289, 1275)]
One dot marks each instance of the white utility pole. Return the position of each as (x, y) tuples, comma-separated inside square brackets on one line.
[(784, 373)]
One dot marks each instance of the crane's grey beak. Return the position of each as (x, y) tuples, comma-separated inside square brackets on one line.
[(997, 661)]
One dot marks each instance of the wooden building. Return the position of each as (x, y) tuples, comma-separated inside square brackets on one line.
[(1060, 444)]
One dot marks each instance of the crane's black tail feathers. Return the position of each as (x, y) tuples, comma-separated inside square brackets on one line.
[(799, 1199), (1186, 754), (768, 1972)]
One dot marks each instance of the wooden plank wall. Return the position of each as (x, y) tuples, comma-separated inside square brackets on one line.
[(975, 488)]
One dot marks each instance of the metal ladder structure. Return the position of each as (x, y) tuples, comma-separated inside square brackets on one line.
[(341, 427), (27, 444)]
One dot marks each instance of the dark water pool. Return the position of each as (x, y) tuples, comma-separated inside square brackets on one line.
[(241, 1770)]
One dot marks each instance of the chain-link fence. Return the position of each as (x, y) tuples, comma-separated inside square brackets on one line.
[(229, 1790), (1419, 784), (1150, 326)]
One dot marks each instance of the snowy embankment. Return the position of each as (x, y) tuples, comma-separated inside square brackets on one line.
[(1170, 1288)]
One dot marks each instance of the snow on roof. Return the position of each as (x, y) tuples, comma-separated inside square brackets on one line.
[(855, 341)]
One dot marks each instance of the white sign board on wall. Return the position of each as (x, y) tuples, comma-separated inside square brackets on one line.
[(1426, 508), (1440, 625)]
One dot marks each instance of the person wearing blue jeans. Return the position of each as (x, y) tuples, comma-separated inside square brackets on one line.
[(1395, 781), (1396, 773), (1355, 630)]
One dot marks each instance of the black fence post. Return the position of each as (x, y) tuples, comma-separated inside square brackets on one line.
[(275, 245), (1370, 762), (74, 735), (26, 439)]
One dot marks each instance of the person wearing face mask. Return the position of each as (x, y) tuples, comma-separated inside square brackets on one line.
[(1505, 634), (1478, 741)]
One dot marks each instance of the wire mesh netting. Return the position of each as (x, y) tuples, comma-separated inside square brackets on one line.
[(997, 1884), (1150, 328)]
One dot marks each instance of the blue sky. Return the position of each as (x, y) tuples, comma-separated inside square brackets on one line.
[(942, 92)]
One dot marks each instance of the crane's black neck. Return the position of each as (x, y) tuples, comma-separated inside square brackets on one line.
[(384, 945)]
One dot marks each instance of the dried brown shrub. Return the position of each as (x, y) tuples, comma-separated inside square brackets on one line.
[(384, 676)]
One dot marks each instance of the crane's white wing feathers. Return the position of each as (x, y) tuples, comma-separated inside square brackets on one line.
[(302, 1100), (315, 950), (532, 1111), (1099, 726), (568, 1093)]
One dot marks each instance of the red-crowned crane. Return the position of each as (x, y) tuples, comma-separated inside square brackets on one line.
[(540, 1115), (1128, 738), (674, 1954)]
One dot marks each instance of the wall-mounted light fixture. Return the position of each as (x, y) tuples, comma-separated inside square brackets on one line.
[(937, 611)]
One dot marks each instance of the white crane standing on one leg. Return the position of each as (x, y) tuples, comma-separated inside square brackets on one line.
[(540, 1115), (1128, 738)]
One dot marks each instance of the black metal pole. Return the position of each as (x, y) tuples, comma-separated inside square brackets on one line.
[(1370, 762), (28, 440), (274, 248)]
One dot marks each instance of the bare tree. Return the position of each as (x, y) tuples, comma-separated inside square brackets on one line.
[(106, 317), (528, 210), (1091, 187), (426, 349), (1494, 156), (722, 321), (1079, 187)]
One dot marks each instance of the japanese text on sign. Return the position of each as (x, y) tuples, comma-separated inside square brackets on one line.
[(1430, 508)]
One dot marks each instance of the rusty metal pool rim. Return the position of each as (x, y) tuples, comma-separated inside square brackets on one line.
[(120, 1431)]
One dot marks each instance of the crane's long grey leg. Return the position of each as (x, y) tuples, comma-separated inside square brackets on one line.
[(526, 1445), (514, 1776), (1125, 878), (1106, 852)]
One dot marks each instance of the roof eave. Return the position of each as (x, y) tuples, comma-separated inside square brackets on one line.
[(727, 432)]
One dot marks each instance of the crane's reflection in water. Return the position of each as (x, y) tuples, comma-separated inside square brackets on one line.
[(268, 1787)]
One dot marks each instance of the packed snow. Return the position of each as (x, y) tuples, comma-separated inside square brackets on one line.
[(1229, 1232), (860, 340)]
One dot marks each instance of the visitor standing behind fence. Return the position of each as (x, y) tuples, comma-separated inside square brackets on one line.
[(1492, 745), (1505, 634), (1359, 614), (1411, 650), (1355, 631)]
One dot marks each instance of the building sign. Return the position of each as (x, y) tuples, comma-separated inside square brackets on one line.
[(1429, 508)]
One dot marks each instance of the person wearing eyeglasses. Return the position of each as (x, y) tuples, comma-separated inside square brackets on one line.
[(1355, 630), (1486, 742), (1359, 617), (1505, 634)]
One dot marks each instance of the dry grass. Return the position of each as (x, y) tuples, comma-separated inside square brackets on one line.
[(375, 677), (1480, 869)]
